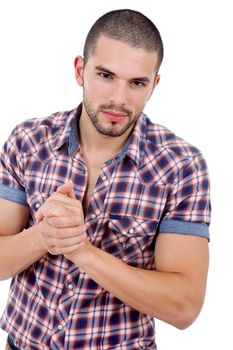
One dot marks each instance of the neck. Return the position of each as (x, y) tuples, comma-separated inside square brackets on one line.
[(92, 141)]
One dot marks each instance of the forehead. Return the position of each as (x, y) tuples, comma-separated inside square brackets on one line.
[(122, 58)]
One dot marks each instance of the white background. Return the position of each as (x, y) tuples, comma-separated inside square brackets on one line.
[(39, 40)]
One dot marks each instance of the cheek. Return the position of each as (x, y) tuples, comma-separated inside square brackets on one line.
[(97, 92), (139, 99)]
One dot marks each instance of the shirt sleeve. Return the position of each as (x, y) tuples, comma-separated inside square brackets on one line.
[(188, 206), (11, 169)]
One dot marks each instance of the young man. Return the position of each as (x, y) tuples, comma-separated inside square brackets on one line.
[(110, 212)]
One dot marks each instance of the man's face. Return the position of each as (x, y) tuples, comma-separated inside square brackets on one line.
[(118, 80)]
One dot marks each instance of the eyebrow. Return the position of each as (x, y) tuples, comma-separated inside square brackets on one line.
[(103, 69)]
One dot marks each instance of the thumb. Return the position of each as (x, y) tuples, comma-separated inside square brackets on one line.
[(67, 189)]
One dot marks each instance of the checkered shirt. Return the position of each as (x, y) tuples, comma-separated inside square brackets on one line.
[(158, 183)]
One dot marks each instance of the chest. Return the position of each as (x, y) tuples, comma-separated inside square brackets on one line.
[(119, 189), (92, 177)]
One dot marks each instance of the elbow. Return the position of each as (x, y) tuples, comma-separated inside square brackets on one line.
[(181, 316), (185, 316), (183, 322), (6, 274), (4, 277)]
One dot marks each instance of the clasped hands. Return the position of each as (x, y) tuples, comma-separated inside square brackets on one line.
[(61, 221)]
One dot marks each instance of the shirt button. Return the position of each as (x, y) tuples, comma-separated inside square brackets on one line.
[(70, 286), (59, 327), (93, 216), (37, 205), (104, 178), (131, 230)]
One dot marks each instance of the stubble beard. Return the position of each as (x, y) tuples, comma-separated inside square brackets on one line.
[(112, 130)]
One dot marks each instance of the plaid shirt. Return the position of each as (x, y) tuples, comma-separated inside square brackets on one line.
[(158, 183)]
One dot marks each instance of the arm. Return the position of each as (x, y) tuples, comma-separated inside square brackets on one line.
[(173, 293), (19, 248)]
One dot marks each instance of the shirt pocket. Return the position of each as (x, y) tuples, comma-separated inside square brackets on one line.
[(129, 238)]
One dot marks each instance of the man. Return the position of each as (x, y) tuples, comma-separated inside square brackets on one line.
[(104, 215)]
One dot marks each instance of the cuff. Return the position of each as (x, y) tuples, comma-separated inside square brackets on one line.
[(13, 195), (185, 227)]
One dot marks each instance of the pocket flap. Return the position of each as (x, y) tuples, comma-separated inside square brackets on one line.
[(132, 226)]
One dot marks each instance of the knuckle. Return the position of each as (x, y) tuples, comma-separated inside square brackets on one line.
[(56, 245)]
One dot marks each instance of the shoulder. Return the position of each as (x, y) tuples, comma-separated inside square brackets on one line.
[(168, 155), (30, 134), (163, 139)]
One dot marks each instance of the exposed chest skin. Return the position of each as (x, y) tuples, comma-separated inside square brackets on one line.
[(94, 161), (93, 172)]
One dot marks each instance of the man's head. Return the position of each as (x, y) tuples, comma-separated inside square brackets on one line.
[(122, 55), (128, 26)]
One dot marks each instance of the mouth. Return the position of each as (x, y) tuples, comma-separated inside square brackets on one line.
[(114, 116)]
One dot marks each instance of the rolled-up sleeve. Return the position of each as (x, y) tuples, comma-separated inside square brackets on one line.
[(11, 169)]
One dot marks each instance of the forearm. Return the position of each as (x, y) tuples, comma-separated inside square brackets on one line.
[(19, 251), (159, 294)]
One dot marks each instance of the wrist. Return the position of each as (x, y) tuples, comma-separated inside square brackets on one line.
[(37, 238), (84, 255)]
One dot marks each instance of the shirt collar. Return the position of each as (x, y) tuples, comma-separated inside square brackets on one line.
[(133, 147), (135, 144), (68, 135)]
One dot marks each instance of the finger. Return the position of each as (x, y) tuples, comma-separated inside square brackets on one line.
[(74, 205), (39, 216), (64, 232), (67, 189), (47, 210), (63, 210), (64, 221), (69, 215), (72, 249), (50, 232), (62, 199), (69, 242), (64, 246)]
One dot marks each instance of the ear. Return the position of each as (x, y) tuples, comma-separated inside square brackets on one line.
[(156, 81), (78, 65)]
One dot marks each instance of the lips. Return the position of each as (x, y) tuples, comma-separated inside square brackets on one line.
[(114, 116)]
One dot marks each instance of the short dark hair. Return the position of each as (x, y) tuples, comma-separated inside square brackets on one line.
[(128, 26)]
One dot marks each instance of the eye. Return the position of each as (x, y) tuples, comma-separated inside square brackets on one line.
[(105, 75), (137, 83)]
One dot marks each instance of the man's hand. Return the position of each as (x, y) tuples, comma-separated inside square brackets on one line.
[(62, 223)]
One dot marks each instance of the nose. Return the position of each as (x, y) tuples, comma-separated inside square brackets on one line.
[(118, 93)]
